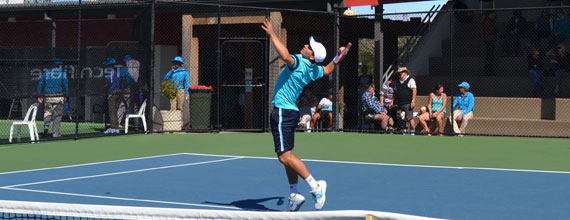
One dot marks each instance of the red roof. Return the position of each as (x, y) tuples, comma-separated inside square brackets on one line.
[(352, 3)]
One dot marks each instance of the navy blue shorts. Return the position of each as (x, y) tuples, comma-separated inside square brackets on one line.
[(283, 125)]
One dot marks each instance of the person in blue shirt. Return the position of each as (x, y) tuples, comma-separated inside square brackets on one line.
[(53, 89), (117, 85), (181, 80), (463, 109), (301, 69)]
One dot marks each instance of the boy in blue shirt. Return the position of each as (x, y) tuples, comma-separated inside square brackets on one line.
[(463, 106), (300, 71), (53, 88), (181, 80)]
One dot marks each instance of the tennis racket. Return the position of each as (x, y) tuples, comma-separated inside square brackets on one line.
[(342, 53)]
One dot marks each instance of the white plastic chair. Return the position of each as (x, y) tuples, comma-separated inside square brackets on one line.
[(139, 115), (30, 121)]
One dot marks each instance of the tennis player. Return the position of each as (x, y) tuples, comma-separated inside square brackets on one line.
[(301, 70)]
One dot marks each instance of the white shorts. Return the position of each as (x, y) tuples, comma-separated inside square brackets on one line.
[(305, 119)]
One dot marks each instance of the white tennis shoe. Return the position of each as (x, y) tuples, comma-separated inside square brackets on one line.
[(295, 202), (319, 194)]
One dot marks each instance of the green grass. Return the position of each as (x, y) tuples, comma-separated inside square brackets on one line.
[(490, 152)]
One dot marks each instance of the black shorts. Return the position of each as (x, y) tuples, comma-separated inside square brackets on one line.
[(408, 110), (283, 125)]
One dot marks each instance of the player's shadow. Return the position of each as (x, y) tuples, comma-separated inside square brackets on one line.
[(251, 204)]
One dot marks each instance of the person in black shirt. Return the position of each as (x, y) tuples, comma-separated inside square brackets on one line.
[(561, 63), (461, 14), (535, 70), (405, 98), (516, 29)]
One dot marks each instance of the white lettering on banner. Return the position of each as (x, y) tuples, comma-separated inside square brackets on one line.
[(86, 72)]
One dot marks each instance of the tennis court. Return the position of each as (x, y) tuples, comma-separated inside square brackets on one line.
[(440, 177)]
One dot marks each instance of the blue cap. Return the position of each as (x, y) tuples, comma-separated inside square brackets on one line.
[(464, 84), (110, 61), (57, 61), (128, 57), (178, 59)]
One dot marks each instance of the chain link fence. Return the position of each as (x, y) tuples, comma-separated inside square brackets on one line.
[(187, 66)]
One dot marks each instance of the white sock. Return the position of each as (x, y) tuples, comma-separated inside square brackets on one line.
[(293, 189), (312, 182)]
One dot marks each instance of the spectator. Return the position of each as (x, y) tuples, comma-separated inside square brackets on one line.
[(307, 107), (543, 28), (463, 109), (461, 12), (53, 89), (133, 66), (129, 88), (516, 29), (535, 70), (372, 106), (116, 81), (435, 110), (324, 111), (560, 27), (405, 98), (387, 99), (561, 63), (181, 80), (490, 37)]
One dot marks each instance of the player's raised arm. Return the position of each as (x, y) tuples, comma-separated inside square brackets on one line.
[(281, 49), (329, 68)]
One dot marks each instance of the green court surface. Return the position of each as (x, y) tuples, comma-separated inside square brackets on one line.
[(486, 152), (66, 129)]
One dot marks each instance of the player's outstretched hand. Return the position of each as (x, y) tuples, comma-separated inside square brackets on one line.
[(267, 26)]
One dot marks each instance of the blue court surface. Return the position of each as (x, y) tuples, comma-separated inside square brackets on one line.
[(248, 183)]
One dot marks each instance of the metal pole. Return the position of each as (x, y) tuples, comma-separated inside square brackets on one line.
[(77, 76), (378, 46), (336, 107), (150, 104), (266, 77), (219, 70)]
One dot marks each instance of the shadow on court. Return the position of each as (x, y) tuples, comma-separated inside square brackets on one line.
[(252, 204)]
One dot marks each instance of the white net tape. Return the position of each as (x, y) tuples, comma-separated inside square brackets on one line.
[(128, 212)]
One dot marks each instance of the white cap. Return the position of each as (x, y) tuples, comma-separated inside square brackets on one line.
[(319, 50)]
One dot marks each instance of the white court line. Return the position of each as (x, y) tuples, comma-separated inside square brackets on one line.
[(95, 163), (122, 172), (123, 199), (390, 164)]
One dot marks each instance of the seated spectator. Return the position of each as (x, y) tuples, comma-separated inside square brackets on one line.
[(561, 64), (463, 106), (516, 29), (560, 27), (324, 110), (435, 110), (543, 29), (307, 107), (461, 12), (387, 100), (535, 70), (490, 36), (373, 109)]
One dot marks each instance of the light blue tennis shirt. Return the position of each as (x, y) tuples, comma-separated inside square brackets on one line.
[(292, 80)]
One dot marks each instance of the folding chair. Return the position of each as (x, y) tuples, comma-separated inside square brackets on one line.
[(30, 121), (140, 115)]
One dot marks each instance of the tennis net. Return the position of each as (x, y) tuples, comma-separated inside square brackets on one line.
[(18, 210)]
